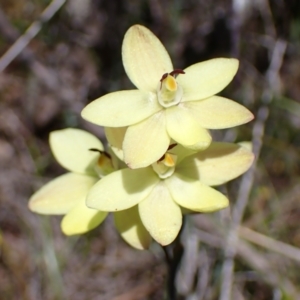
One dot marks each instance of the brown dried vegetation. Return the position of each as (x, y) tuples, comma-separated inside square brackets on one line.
[(75, 58)]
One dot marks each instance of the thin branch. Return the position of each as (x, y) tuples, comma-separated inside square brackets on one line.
[(204, 275), (208, 232), (261, 264), (189, 263), (43, 74), (29, 34), (248, 179), (47, 76), (252, 257), (269, 243)]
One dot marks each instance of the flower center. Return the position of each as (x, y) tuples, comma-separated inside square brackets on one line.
[(169, 92), (165, 167), (104, 165)]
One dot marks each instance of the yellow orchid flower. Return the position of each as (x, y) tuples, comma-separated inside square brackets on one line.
[(168, 104), (178, 179), (66, 194)]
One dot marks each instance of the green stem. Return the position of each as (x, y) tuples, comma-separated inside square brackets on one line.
[(173, 253)]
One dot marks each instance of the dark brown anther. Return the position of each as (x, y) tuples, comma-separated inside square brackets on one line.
[(173, 73), (95, 150), (176, 72), (172, 146), (164, 76), (162, 79), (169, 148), (162, 158), (101, 152)]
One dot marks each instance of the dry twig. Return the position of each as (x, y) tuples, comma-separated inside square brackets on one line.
[(269, 243), (46, 75), (214, 237), (29, 34), (272, 77)]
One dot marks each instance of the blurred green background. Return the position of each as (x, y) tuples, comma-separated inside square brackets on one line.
[(75, 58)]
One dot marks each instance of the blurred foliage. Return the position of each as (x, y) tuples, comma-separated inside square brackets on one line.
[(80, 48)]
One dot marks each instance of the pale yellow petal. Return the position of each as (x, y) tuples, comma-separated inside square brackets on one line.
[(184, 129), (181, 152), (217, 164), (202, 144), (121, 108), (218, 112), (144, 57), (122, 189), (81, 219), (161, 215), (146, 142), (117, 160), (70, 148), (115, 137), (246, 144), (131, 228), (61, 194), (194, 195), (118, 153), (205, 79)]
